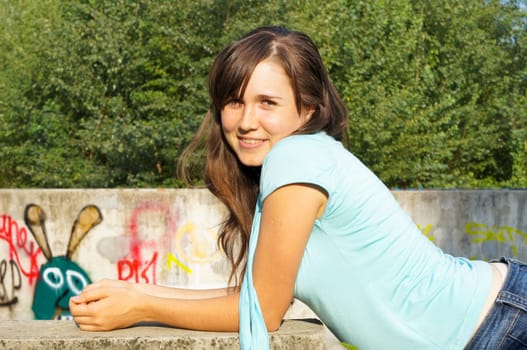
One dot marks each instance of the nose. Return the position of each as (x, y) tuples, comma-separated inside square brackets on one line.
[(249, 119)]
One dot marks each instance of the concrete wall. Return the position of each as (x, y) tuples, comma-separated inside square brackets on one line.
[(169, 237)]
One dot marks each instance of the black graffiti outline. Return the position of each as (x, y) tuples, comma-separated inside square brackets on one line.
[(14, 286)]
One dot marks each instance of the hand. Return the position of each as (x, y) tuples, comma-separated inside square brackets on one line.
[(106, 305)]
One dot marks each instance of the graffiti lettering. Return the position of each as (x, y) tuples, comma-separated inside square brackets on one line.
[(193, 246), (7, 295), (172, 259), (133, 269), (17, 241), (426, 231), (502, 234), (134, 266), (202, 248)]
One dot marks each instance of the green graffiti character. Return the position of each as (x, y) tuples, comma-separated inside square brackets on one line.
[(60, 278)]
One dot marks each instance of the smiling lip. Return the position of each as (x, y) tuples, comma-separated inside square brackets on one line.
[(250, 142)]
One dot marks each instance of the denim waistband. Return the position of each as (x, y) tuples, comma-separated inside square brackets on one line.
[(512, 290)]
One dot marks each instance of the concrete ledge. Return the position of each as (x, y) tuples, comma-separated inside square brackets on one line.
[(64, 335)]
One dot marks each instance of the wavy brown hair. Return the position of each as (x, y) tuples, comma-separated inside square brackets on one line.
[(235, 184)]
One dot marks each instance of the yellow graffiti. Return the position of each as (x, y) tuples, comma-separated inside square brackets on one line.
[(426, 232), (172, 259), (201, 247), (502, 234)]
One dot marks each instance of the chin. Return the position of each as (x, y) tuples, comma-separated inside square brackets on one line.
[(251, 162)]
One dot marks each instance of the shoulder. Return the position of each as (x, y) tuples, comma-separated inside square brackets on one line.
[(302, 148), (307, 141), (300, 159)]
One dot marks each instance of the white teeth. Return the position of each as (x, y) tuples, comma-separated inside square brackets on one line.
[(251, 142)]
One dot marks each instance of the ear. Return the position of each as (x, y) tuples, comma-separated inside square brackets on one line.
[(89, 217), (35, 218)]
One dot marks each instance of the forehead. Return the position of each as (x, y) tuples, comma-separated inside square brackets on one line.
[(268, 75)]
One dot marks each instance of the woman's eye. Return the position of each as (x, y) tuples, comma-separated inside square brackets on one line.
[(268, 103)]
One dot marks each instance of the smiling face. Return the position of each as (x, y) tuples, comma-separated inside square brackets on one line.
[(265, 114)]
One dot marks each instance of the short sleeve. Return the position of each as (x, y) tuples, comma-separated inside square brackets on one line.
[(298, 159)]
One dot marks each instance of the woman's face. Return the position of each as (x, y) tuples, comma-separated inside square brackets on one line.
[(264, 115)]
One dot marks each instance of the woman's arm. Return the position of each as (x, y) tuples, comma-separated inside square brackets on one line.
[(287, 220), (106, 308), (288, 216), (163, 291), (183, 293)]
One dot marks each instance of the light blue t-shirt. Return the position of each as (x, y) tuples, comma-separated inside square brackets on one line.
[(368, 272)]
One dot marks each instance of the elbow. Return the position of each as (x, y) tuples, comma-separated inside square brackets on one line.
[(273, 325), (273, 321), (274, 306)]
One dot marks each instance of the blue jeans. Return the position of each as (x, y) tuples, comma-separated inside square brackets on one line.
[(505, 326)]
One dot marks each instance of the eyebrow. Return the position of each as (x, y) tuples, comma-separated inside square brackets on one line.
[(266, 97)]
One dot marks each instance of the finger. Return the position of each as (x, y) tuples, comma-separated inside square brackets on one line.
[(92, 294), (89, 324), (81, 309), (75, 299), (84, 321), (92, 328), (86, 326)]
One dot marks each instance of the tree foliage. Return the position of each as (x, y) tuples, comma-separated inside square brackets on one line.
[(98, 93)]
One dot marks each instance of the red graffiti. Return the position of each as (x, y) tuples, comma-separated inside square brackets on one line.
[(18, 244), (140, 272), (135, 266)]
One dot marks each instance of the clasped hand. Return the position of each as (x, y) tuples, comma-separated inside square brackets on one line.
[(106, 305)]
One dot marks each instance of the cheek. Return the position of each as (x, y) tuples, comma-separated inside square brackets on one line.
[(283, 125), (228, 122)]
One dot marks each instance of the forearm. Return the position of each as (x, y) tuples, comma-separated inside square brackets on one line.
[(182, 293), (113, 304), (218, 314)]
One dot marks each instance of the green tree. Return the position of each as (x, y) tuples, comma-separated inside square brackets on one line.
[(429, 86), (98, 93), (113, 94)]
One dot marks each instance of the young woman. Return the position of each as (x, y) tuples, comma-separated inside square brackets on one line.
[(308, 220)]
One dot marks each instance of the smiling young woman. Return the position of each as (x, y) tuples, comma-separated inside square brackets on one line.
[(265, 114), (307, 219)]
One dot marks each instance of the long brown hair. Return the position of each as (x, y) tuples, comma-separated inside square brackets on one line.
[(235, 184)]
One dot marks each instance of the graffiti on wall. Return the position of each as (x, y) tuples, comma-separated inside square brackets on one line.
[(140, 263), (21, 262), (427, 232), (155, 243), (194, 246), (10, 282), (59, 278), (502, 234), (481, 233), (185, 245)]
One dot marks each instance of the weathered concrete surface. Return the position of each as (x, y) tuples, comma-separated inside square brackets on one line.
[(64, 335), (481, 224)]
